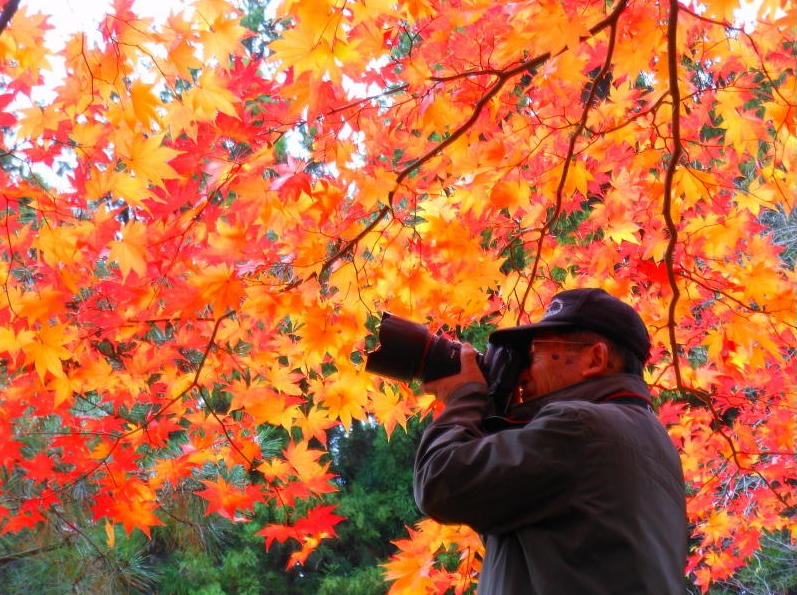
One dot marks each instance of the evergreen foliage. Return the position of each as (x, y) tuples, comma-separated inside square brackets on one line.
[(195, 554)]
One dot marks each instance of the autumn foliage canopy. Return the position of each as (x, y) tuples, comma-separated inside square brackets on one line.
[(235, 210)]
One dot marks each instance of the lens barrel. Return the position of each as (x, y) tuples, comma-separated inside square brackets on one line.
[(408, 351)]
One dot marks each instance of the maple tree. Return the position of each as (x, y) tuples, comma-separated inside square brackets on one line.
[(235, 212)]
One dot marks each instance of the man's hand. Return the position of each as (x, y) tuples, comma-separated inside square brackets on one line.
[(469, 372)]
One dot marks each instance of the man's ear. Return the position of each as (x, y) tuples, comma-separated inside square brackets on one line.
[(597, 361)]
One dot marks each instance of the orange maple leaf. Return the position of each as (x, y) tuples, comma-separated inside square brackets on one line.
[(225, 498)]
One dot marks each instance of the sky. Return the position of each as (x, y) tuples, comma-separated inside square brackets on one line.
[(69, 16)]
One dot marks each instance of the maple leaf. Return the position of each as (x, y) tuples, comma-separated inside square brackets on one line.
[(183, 58), (616, 223), (130, 252), (13, 343), (208, 97), (39, 468), (220, 286), (223, 38), (304, 462), (390, 410), (509, 195), (265, 405), (131, 504), (148, 158), (144, 102), (132, 189), (409, 570), (6, 119), (47, 352), (448, 167), (225, 499), (27, 517), (724, 9), (314, 424), (318, 524)]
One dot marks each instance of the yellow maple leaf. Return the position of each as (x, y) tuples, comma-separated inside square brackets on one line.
[(144, 101), (758, 194), (616, 222), (716, 526), (578, 176), (182, 58), (315, 14), (130, 252), (274, 469), (180, 384), (693, 185), (41, 305), (48, 349), (285, 380), (314, 424), (35, 119), (345, 397), (304, 460), (63, 388), (646, 33), (209, 96), (58, 245), (307, 49), (181, 119), (148, 158), (12, 342), (418, 9), (440, 113), (120, 184), (223, 39), (390, 410), (722, 9), (265, 405)]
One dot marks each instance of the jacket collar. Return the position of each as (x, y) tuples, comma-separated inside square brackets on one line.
[(600, 388)]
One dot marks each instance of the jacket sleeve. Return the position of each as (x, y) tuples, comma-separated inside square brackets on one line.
[(497, 482)]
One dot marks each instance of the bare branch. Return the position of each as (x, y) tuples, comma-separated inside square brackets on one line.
[(672, 68)]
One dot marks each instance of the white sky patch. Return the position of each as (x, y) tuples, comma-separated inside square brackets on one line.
[(68, 17)]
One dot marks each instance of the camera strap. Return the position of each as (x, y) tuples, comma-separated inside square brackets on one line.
[(494, 423), (628, 398)]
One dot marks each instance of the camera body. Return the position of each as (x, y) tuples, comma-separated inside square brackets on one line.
[(408, 351)]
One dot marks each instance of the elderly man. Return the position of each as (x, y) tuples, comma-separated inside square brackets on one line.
[(578, 490)]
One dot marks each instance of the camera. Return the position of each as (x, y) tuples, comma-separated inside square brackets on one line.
[(408, 351)]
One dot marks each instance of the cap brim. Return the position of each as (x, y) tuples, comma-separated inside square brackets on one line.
[(520, 335)]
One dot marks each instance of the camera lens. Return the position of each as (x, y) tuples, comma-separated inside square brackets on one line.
[(408, 351)]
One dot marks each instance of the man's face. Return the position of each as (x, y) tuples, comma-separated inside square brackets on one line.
[(556, 362)]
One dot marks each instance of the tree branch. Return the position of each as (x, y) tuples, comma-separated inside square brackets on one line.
[(672, 69), (502, 76)]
